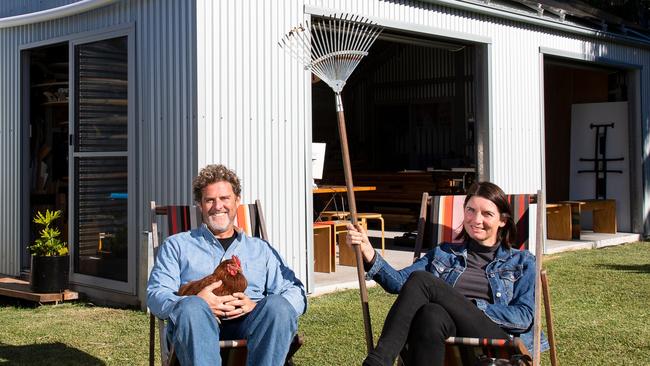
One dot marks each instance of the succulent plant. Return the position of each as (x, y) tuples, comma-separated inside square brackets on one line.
[(49, 243)]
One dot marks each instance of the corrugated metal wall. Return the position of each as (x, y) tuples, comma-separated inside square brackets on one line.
[(165, 106), (254, 114), (255, 108)]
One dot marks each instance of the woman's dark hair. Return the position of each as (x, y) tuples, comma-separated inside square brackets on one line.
[(490, 191)]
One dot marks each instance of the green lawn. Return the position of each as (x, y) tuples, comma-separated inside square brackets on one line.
[(600, 307)]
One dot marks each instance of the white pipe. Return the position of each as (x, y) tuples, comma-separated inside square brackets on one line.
[(548, 23), (54, 13)]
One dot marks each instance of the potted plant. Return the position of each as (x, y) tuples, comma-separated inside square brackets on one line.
[(50, 258)]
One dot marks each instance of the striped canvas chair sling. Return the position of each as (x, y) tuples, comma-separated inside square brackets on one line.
[(444, 220), (184, 218)]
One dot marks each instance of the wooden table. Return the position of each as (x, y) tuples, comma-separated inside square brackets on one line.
[(336, 192), (341, 189)]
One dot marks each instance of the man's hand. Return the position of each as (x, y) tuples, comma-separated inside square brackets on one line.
[(218, 304), (242, 305)]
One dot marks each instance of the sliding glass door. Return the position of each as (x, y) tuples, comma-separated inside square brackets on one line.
[(102, 235)]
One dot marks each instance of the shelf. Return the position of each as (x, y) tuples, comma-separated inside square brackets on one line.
[(58, 102), (109, 81), (118, 102), (55, 83)]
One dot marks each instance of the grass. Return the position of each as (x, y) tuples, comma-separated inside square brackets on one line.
[(600, 305), (72, 334), (599, 297)]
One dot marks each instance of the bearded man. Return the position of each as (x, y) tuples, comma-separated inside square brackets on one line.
[(266, 314)]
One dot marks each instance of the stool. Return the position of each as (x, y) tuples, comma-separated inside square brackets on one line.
[(346, 254), (337, 227), (324, 248), (334, 215), (604, 215), (364, 217), (558, 221), (575, 218)]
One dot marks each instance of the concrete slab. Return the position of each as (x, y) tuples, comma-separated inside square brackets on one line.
[(345, 277), (590, 240)]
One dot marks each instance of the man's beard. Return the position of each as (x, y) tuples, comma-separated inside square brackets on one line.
[(217, 228)]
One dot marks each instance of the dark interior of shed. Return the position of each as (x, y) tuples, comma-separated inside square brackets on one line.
[(48, 132), (567, 83), (410, 109)]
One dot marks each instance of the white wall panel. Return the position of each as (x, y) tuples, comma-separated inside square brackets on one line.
[(255, 113)]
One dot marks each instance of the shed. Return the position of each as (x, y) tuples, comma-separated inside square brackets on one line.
[(106, 105)]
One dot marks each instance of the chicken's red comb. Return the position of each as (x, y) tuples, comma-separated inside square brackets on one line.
[(236, 260)]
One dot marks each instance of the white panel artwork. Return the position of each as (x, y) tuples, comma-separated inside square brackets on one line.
[(584, 119)]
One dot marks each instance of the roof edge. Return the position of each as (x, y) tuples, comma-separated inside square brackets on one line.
[(79, 7)]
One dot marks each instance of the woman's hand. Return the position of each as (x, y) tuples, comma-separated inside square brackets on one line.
[(357, 236)]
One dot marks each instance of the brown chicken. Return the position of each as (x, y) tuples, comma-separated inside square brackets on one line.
[(228, 271)]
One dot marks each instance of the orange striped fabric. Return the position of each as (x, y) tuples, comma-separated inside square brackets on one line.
[(184, 218), (243, 219), (446, 215), (450, 217)]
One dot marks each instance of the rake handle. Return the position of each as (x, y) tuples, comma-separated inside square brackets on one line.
[(352, 205)]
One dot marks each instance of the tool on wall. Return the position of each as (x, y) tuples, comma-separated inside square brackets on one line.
[(600, 159), (331, 47)]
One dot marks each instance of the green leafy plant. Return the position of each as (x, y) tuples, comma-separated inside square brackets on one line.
[(48, 244)]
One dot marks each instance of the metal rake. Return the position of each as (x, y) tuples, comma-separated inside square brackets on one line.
[(331, 47)]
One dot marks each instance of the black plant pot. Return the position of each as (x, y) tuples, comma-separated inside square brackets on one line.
[(50, 274)]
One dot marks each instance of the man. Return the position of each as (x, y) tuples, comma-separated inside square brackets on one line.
[(266, 314)]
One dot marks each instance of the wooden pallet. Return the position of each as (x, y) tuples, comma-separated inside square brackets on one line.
[(17, 288)]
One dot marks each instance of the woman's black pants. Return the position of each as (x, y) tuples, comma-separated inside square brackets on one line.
[(426, 312)]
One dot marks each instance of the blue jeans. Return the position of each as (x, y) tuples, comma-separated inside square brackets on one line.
[(269, 329)]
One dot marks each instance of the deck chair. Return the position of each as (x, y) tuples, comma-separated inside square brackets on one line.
[(183, 218), (440, 221)]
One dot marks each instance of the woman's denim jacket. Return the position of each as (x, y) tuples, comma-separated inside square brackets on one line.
[(511, 276)]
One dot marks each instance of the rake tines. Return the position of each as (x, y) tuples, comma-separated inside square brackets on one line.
[(332, 47)]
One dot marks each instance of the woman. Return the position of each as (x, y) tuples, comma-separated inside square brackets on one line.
[(480, 288)]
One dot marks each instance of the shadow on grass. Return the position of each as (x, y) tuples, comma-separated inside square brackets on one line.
[(19, 303), (636, 268), (45, 354)]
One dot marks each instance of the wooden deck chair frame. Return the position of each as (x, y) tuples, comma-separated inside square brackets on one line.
[(250, 219), (430, 229)]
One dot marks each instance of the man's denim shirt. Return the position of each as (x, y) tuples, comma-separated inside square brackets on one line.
[(511, 276), (194, 254)]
